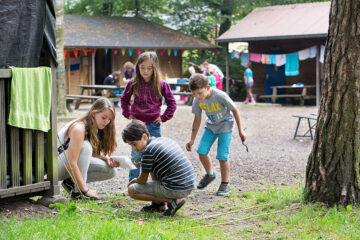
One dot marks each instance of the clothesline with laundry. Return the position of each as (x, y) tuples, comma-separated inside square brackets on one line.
[(290, 60)]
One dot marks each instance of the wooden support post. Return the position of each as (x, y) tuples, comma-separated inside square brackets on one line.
[(3, 164), (51, 142), (27, 156), (15, 157), (318, 76), (227, 68), (39, 156)]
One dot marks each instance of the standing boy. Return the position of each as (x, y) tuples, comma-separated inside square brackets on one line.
[(221, 112), (172, 173)]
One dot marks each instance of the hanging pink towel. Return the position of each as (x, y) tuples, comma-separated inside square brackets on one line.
[(255, 57)]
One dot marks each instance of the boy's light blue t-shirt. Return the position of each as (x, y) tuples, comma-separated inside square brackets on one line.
[(218, 111)]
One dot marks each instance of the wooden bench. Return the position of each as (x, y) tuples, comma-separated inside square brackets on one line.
[(311, 126), (295, 95), (78, 98)]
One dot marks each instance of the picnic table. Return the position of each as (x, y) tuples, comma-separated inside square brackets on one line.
[(297, 92), (96, 91), (184, 89)]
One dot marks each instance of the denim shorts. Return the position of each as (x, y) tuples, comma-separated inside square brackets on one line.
[(224, 141), (155, 188), (249, 85)]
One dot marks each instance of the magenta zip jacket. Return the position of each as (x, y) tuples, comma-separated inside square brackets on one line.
[(147, 107)]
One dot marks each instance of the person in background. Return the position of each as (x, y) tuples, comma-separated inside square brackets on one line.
[(84, 148), (148, 90), (249, 82), (129, 71), (205, 66), (113, 79), (211, 78), (172, 174), (221, 113)]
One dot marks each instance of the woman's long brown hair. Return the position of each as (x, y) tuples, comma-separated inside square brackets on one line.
[(155, 78), (103, 141)]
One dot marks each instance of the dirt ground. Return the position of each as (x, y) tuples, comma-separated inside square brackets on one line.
[(274, 157)]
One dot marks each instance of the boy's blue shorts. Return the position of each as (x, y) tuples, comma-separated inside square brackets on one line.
[(207, 140)]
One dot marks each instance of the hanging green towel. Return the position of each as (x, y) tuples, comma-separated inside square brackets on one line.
[(30, 98)]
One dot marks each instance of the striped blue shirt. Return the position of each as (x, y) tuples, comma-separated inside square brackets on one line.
[(167, 161)]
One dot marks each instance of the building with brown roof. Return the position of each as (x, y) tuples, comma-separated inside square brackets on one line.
[(96, 46), (280, 30)]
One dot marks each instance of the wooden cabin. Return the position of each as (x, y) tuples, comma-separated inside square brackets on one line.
[(279, 30), (96, 46)]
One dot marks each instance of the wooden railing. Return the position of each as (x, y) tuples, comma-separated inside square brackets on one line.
[(23, 151)]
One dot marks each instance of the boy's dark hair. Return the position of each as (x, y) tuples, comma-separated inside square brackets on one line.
[(198, 81), (134, 131)]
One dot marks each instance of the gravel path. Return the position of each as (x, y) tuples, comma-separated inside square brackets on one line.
[(273, 157)]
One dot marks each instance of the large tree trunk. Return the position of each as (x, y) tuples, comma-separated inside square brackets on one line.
[(60, 73), (333, 169)]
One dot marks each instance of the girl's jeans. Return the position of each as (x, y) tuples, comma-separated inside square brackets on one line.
[(155, 131)]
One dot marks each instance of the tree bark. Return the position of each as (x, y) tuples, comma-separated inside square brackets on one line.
[(60, 73), (333, 169)]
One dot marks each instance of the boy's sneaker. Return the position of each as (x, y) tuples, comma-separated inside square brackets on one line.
[(68, 185), (224, 189), (206, 180), (173, 207)]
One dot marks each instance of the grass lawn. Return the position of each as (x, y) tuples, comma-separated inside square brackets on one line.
[(277, 213)]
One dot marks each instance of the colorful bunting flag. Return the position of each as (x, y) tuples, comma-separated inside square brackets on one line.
[(161, 52), (64, 53), (130, 52), (123, 51), (138, 52), (169, 52), (115, 51), (106, 51), (175, 52), (85, 52), (76, 52)]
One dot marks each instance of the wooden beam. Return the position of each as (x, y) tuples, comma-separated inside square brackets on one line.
[(14, 156), (5, 73), (318, 75), (39, 156), (227, 68), (3, 153), (27, 156), (51, 142)]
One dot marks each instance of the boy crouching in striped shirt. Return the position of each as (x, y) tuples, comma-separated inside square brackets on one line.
[(172, 174)]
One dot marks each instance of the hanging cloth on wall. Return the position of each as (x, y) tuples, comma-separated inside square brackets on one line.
[(304, 54), (265, 59), (244, 58), (292, 64), (255, 57), (280, 59), (272, 59), (322, 53), (312, 52)]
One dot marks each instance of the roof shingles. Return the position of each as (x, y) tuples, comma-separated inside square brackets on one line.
[(119, 32)]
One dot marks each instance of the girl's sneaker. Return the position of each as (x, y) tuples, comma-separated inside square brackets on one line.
[(246, 101), (224, 189)]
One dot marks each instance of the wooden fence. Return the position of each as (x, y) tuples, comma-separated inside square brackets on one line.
[(23, 152)]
